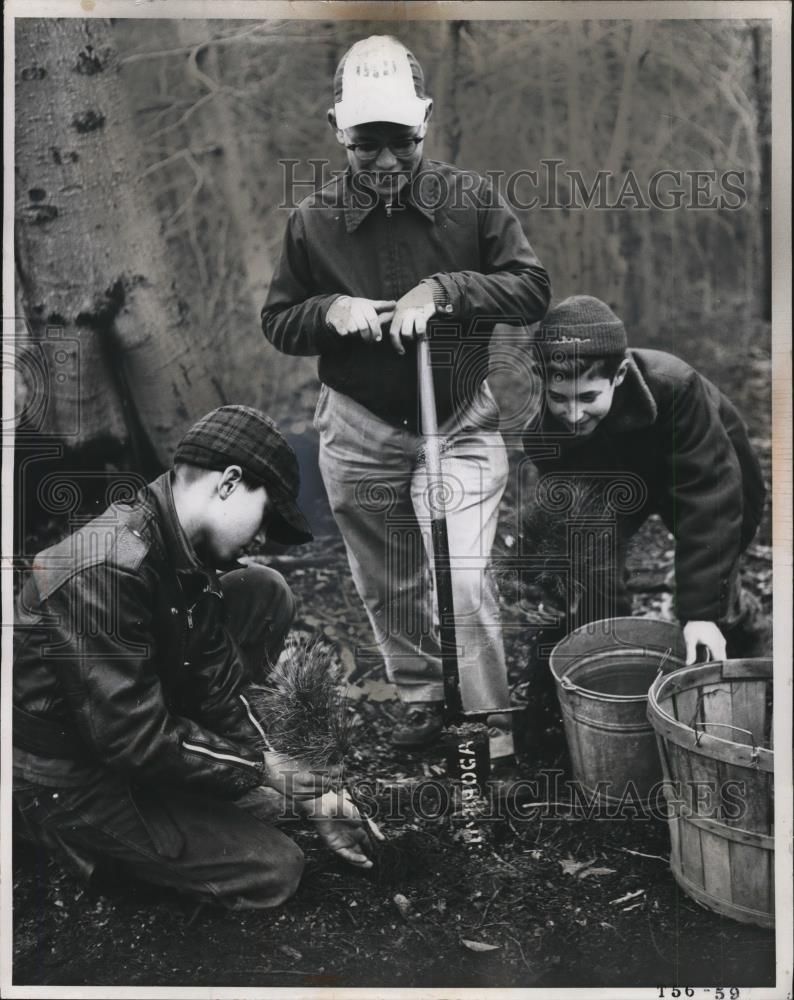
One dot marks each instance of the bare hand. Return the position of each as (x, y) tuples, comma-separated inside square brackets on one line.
[(294, 780), (342, 828), (412, 312), (697, 633), (348, 315)]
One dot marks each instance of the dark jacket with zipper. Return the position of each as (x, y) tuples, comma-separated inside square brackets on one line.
[(674, 445), (122, 660), (449, 225)]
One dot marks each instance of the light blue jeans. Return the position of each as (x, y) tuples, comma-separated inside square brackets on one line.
[(377, 487)]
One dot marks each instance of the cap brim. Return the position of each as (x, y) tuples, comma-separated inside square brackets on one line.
[(286, 524), (379, 108)]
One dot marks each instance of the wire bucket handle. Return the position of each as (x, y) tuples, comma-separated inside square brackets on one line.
[(667, 654), (700, 726), (568, 685)]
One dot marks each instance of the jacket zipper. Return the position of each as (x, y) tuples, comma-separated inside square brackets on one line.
[(390, 248)]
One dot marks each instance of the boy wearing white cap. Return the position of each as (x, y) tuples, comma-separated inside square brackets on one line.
[(368, 261)]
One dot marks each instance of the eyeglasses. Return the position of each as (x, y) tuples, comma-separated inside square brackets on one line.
[(403, 149)]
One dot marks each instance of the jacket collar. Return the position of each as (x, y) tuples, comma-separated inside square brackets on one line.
[(633, 407), (358, 204), (181, 553)]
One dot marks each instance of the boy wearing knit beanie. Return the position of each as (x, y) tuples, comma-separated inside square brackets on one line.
[(627, 433)]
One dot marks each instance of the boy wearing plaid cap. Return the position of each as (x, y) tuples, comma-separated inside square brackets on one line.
[(368, 261), (651, 435), (135, 742)]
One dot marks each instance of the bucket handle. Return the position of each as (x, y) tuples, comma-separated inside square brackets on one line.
[(699, 726), (664, 659), (568, 685)]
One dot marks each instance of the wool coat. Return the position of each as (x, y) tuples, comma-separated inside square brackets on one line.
[(674, 445)]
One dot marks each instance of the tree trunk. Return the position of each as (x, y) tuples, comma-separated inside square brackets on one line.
[(260, 374), (90, 254), (447, 137)]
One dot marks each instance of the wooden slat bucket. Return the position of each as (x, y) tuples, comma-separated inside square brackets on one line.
[(714, 728), (603, 671)]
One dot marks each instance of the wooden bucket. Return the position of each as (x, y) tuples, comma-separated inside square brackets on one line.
[(713, 723), (603, 671)]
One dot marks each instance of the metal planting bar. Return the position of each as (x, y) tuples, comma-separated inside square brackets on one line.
[(453, 708)]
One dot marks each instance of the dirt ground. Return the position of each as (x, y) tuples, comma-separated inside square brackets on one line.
[(547, 901)]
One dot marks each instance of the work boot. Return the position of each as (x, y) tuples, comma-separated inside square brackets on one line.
[(419, 724)]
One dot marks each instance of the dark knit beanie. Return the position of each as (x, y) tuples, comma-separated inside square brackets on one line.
[(585, 325), (241, 435)]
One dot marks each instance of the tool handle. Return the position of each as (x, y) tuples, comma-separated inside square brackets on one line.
[(427, 408), (453, 707)]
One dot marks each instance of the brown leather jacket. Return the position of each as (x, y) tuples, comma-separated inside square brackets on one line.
[(122, 659)]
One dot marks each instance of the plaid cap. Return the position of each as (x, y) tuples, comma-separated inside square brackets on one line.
[(241, 435)]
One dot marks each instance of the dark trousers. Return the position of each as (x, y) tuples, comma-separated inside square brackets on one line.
[(216, 850), (260, 608)]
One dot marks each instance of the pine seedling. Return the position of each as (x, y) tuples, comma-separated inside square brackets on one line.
[(304, 709)]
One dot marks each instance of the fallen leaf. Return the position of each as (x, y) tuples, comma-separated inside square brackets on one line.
[(292, 952), (595, 871), (570, 866), (581, 869), (348, 658), (403, 904), (479, 945), (312, 621)]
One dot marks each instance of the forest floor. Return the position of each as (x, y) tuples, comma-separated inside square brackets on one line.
[(548, 901)]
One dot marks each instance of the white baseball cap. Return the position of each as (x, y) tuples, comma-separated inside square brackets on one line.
[(379, 80)]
